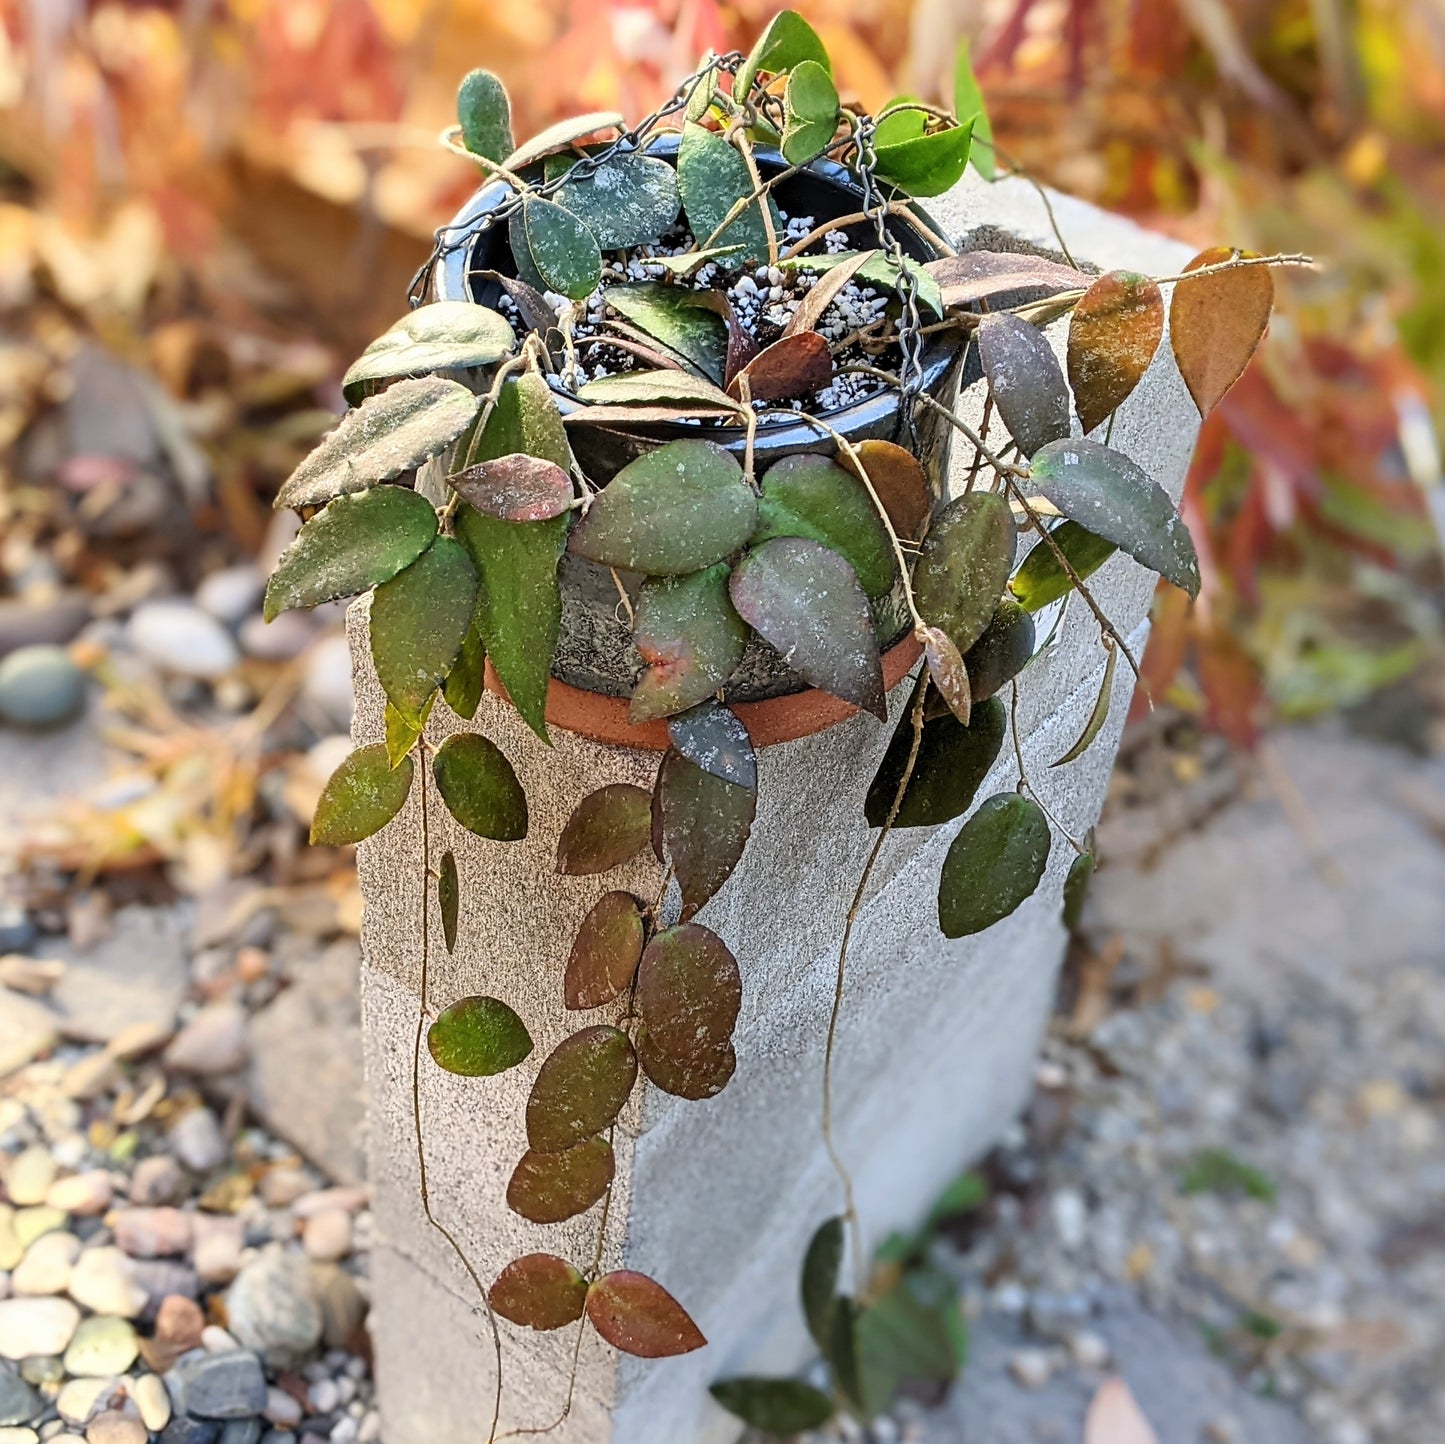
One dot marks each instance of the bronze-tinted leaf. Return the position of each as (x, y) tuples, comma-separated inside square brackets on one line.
[(1215, 323), (1040, 578), (580, 1089), (607, 828), (806, 600), (539, 1291), (690, 637), (553, 1187), (993, 864), (823, 292), (466, 681), (901, 483), (440, 336), (964, 565), (517, 487), (713, 737), (479, 787), (689, 992), (948, 672), (1099, 714), (1113, 335), (533, 307), (360, 797), (1002, 652), (1025, 380), (561, 136), (702, 1076), (953, 761), (795, 365), (637, 1315), (605, 952), (974, 276), (478, 1037), (449, 898), (705, 826)]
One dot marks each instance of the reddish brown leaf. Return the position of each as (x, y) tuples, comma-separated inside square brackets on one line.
[(950, 676), (1113, 335), (1215, 323), (795, 365), (608, 827), (580, 1089), (741, 345), (824, 292), (981, 275), (539, 1291), (901, 484), (551, 1187), (605, 953), (689, 992), (516, 487), (536, 314), (703, 1076), (637, 1315)]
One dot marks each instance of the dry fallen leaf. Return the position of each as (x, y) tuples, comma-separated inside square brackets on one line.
[(1115, 1418)]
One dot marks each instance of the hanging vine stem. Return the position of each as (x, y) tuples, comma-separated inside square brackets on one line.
[(1026, 783), (856, 218), (436, 1223), (737, 137)]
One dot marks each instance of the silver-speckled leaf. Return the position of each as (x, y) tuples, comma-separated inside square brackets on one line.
[(993, 864), (964, 564), (1025, 380), (437, 337)]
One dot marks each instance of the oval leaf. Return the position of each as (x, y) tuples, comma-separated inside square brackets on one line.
[(562, 249), (449, 898), (823, 292), (637, 1315), (553, 1187), (360, 797), (580, 1089), (1002, 652), (788, 40), (677, 509), (1040, 578), (539, 1291), (1107, 493), (1100, 712), (705, 827), (562, 135), (1215, 323), (524, 420), (627, 200), (964, 565), (953, 761), (776, 1406), (353, 543), (704, 1075), (467, 679), (993, 864), (605, 952), (927, 165), (947, 672), (438, 337), (901, 483), (1025, 381), (485, 114), (478, 1037), (713, 737), (810, 105), (806, 600), (822, 1265), (401, 734), (689, 636), (1113, 335), (795, 365), (649, 388), (712, 177), (607, 828), (689, 992), (515, 488), (479, 787), (686, 321), (974, 276), (968, 103), (386, 435), (1076, 889)]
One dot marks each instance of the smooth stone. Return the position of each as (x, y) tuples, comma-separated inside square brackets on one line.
[(273, 1308), (196, 1139), (40, 688), (281, 1408), (30, 1174), (42, 1370), (242, 1431), (152, 1232), (35, 1222), (215, 1340), (36, 976), (27, 1029), (113, 1427), (103, 1281), (36, 1327), (19, 1403), (221, 1386), (327, 685), (157, 1179), (282, 1186), (152, 1401), (46, 1267), (11, 1249), (160, 1277), (140, 1039), (213, 1042), (279, 640), (102, 1345), (26, 621), (184, 1430), (349, 1199), (343, 1309), (232, 593), (179, 1326), (91, 1077), (82, 1193), (181, 639), (278, 1436), (217, 1252), (21, 1436), (82, 1398), (327, 1235)]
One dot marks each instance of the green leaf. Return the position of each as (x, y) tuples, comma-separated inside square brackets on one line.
[(580, 1089), (953, 761), (929, 164), (605, 952), (479, 787), (877, 270), (806, 601), (901, 119), (812, 496), (822, 1265), (1041, 580), (563, 250), (690, 639), (705, 825), (562, 135), (677, 509), (1099, 713), (515, 488), (1114, 332), (1076, 889), (401, 734), (466, 681), (912, 1333), (964, 564), (441, 336), (650, 388), (1215, 1170), (607, 828), (637, 1315), (968, 104), (1107, 493), (712, 177), (386, 435), (689, 992), (683, 320), (449, 898), (1216, 322), (360, 797), (776, 1406), (524, 420), (628, 200), (539, 1291), (1025, 380), (418, 622), (519, 602), (485, 115), (966, 1194), (1003, 651), (993, 864), (553, 1187), (810, 104), (713, 737), (478, 1037), (788, 41), (353, 543)]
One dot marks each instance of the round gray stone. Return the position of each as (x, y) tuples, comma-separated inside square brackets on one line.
[(40, 688), (19, 1403), (219, 1386)]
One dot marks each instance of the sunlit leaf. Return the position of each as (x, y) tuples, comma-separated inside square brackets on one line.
[(806, 600), (788, 40), (478, 1037), (1076, 889), (964, 564), (823, 292), (539, 1291), (605, 952), (822, 1265), (637, 1315), (689, 992), (353, 543), (441, 336), (968, 104), (401, 732), (466, 681), (1114, 1417), (553, 1187), (948, 673), (700, 1077), (479, 787), (1099, 713), (652, 388), (629, 199), (360, 797), (993, 864), (810, 103), (564, 252), (607, 828), (562, 135), (705, 826), (712, 177), (1025, 380), (974, 276), (515, 488), (953, 761), (795, 365), (1040, 578), (1215, 323), (1113, 334), (689, 261), (386, 435), (449, 898), (903, 118), (677, 509), (1002, 652), (776, 1406), (713, 737), (877, 269), (812, 496), (485, 115), (929, 164), (580, 1089), (1106, 492), (901, 483), (690, 637), (681, 319)]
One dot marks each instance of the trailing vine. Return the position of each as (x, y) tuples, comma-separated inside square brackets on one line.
[(651, 286)]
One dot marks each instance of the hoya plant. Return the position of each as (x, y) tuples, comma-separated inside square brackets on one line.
[(662, 307)]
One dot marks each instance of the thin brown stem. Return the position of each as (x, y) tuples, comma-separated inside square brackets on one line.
[(855, 218), (1025, 784), (739, 139)]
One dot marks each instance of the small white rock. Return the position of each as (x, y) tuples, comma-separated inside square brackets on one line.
[(152, 1401), (180, 638), (1031, 1367)]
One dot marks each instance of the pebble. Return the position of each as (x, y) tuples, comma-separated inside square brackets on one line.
[(221, 1386), (29, 1176), (19, 1403), (283, 1186), (327, 1235), (36, 1326), (103, 1345), (113, 1427), (185, 1430), (241, 1431), (91, 1077), (179, 638), (11, 1249), (180, 1324), (280, 640), (36, 976), (1090, 1350), (27, 1028), (35, 1222), (103, 1281), (81, 1398), (138, 1039), (157, 1179), (152, 1232), (281, 1408), (231, 594), (82, 1193), (327, 685), (213, 1042), (215, 1340), (324, 1396), (1031, 1367), (342, 1306), (219, 1239), (19, 1436), (45, 1269), (40, 688), (196, 1139), (322, 1199), (272, 1308), (152, 1401), (346, 1430)]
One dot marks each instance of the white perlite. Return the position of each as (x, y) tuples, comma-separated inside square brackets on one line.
[(717, 1199)]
